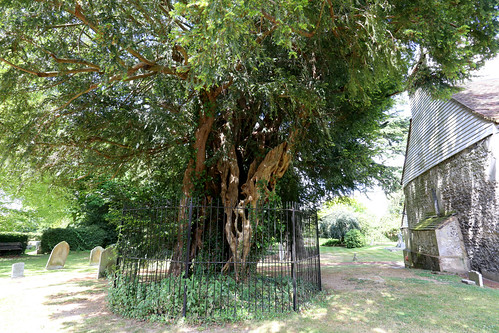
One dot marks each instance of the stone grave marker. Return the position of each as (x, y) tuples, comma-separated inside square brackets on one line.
[(33, 245), (477, 277), (17, 270), (281, 252), (107, 261), (466, 281), (95, 255), (58, 256)]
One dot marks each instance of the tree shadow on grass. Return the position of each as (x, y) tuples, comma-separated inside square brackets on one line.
[(82, 307), (363, 298)]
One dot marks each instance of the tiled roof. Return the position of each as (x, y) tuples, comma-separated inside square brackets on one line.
[(482, 97)]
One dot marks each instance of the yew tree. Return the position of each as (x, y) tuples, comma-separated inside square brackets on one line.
[(233, 95)]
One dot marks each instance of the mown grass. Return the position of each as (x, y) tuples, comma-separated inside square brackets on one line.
[(368, 253), (371, 298), (420, 303), (34, 264)]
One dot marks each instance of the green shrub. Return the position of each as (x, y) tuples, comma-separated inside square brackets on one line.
[(13, 237), (84, 238), (332, 242), (337, 224), (354, 238), (218, 298), (392, 234)]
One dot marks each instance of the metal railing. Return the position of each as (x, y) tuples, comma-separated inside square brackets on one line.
[(178, 258)]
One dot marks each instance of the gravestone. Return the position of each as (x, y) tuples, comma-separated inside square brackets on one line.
[(58, 256), (466, 281), (281, 252), (477, 277), (33, 245), (95, 255), (107, 262), (400, 242), (17, 270)]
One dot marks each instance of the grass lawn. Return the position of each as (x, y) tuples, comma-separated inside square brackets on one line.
[(34, 264), (375, 298), (364, 254)]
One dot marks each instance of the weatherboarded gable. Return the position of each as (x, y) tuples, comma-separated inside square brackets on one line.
[(451, 169), (439, 130)]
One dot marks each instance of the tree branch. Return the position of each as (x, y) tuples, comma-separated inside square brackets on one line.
[(50, 74), (74, 61), (89, 89), (140, 76)]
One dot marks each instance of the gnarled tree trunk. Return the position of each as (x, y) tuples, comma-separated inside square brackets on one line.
[(237, 200)]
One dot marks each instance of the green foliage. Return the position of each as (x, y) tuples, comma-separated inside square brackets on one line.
[(374, 228), (342, 203), (389, 224), (209, 298), (337, 224), (14, 237), (101, 204), (33, 236), (83, 238), (332, 242), (131, 98), (30, 204), (354, 238)]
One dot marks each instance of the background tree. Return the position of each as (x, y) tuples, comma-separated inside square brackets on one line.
[(224, 96), (337, 223), (341, 214), (32, 206)]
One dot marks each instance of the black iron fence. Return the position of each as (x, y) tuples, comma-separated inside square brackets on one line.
[(197, 260)]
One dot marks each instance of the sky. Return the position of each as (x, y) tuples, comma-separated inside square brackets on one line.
[(375, 199)]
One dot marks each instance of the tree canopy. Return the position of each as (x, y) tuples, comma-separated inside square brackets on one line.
[(225, 98), (225, 95), (32, 206)]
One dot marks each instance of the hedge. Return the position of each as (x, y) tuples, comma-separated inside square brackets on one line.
[(83, 238), (12, 237), (332, 242)]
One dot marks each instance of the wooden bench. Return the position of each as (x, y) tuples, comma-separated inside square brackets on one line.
[(11, 246)]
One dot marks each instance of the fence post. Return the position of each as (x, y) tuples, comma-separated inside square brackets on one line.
[(293, 257), (186, 261), (318, 250)]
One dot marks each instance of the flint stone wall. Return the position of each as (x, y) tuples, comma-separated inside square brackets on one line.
[(467, 185)]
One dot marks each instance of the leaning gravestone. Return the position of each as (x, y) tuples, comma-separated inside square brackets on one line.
[(107, 262), (17, 270), (95, 255), (58, 256), (477, 277)]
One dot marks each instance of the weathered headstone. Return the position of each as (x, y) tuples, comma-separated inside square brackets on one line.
[(281, 252), (477, 277), (400, 239), (17, 270), (107, 262), (95, 255), (58, 256), (466, 281), (33, 245)]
